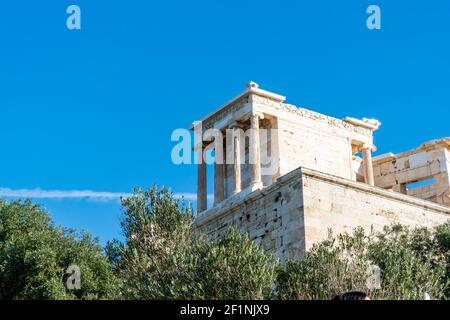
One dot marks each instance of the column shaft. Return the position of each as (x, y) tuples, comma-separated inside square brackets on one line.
[(201, 183), (368, 166), (219, 175), (255, 151), (237, 161)]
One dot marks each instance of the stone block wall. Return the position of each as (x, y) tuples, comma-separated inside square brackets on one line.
[(292, 214), (313, 140), (273, 217), (430, 161), (342, 205)]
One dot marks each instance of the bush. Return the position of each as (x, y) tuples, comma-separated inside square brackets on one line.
[(163, 259), (34, 257), (332, 267), (412, 263), (233, 267)]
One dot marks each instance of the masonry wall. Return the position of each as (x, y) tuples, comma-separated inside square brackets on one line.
[(273, 217), (295, 212), (397, 171), (313, 140), (308, 144), (342, 205)]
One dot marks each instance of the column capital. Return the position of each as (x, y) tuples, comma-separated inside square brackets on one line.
[(256, 114), (368, 147)]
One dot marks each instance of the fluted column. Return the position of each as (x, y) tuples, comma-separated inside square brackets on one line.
[(201, 182), (255, 151), (368, 166), (237, 182), (219, 172)]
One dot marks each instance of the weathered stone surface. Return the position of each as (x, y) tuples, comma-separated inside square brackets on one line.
[(431, 161), (297, 211), (318, 180)]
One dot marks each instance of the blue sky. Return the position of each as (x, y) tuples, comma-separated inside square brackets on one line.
[(94, 109)]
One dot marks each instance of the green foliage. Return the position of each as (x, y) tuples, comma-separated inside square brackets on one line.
[(163, 259), (232, 267), (235, 267), (154, 225), (442, 241), (412, 262), (34, 257), (332, 267)]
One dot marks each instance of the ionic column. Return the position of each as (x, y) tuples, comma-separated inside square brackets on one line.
[(201, 181), (368, 166), (255, 151), (237, 183), (219, 173)]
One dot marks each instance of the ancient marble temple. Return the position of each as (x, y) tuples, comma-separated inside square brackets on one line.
[(286, 175)]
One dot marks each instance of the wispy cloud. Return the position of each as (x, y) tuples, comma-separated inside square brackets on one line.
[(77, 194), (60, 194)]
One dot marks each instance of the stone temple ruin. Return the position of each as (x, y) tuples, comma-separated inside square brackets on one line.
[(310, 173)]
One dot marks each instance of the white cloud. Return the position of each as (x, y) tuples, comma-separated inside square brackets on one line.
[(60, 194), (77, 194)]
